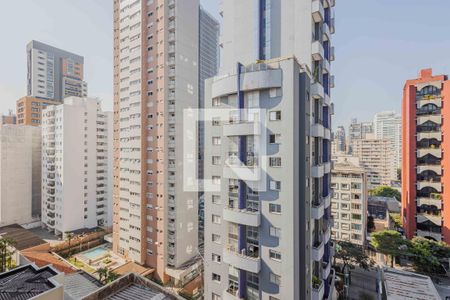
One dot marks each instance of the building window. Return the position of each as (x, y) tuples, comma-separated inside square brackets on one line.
[(275, 231), (275, 161), (275, 279), (275, 115), (216, 238), (216, 180), (216, 102), (274, 138), (275, 255), (275, 185), (216, 160), (275, 208), (216, 297), (216, 258), (216, 140), (216, 219), (216, 277), (215, 199)]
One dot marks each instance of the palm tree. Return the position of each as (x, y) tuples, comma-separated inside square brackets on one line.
[(6, 253), (112, 276), (102, 274), (69, 237)]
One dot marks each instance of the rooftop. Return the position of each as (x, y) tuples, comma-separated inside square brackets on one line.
[(24, 238), (403, 285), (132, 286), (392, 204), (132, 267), (26, 282), (78, 285)]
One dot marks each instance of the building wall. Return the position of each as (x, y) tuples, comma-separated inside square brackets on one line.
[(156, 78), (75, 166), (18, 148), (48, 67), (387, 125), (424, 211), (29, 110)]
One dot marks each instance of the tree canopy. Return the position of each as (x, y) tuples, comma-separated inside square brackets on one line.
[(388, 242), (428, 256), (352, 254), (386, 191)]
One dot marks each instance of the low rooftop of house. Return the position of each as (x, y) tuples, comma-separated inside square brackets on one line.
[(27, 282), (24, 238)]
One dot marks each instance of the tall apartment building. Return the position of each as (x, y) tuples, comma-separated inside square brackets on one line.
[(267, 144), (426, 137), (20, 173), (29, 110), (209, 29), (156, 66), (340, 139), (10, 118), (54, 74), (358, 130), (349, 200), (388, 125), (76, 166), (378, 158)]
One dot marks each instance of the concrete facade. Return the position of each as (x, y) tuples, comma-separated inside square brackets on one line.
[(349, 200), (76, 168), (267, 141), (54, 74), (20, 173), (424, 135), (388, 125), (29, 110)]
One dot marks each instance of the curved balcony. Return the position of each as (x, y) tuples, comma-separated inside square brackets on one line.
[(246, 173), (318, 12), (317, 251), (435, 168), (326, 270), (317, 90), (436, 152), (429, 201), (317, 171), (429, 234), (327, 201), (317, 130), (241, 128), (435, 101), (327, 167), (242, 216), (241, 260), (317, 210), (433, 118), (435, 185), (429, 135), (429, 219), (327, 134), (317, 50), (318, 291)]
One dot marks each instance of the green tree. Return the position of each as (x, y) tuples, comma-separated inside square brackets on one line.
[(102, 274), (388, 242), (69, 236), (6, 253), (352, 255), (386, 191), (429, 256), (112, 276), (397, 220)]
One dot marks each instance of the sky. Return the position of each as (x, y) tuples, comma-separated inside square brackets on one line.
[(379, 44)]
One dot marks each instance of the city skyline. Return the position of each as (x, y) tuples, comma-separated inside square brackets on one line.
[(374, 46)]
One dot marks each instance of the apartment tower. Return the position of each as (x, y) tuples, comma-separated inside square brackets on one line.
[(156, 66), (267, 145), (388, 125), (76, 166), (426, 136), (54, 74), (349, 200)]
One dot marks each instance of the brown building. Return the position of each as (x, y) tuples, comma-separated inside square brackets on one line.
[(9, 119), (29, 110)]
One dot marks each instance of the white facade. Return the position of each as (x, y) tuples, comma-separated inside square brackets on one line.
[(76, 165), (388, 125), (20, 165), (378, 158), (349, 200), (267, 215)]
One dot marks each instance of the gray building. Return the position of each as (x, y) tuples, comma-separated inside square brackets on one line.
[(208, 67), (267, 146), (357, 131), (53, 73), (339, 137)]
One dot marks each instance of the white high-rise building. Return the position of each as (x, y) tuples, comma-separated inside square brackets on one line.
[(267, 147), (388, 125), (349, 200), (76, 166), (20, 173)]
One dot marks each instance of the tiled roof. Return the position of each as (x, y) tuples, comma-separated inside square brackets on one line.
[(25, 282), (78, 285), (44, 258), (132, 267), (134, 291), (24, 238)]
